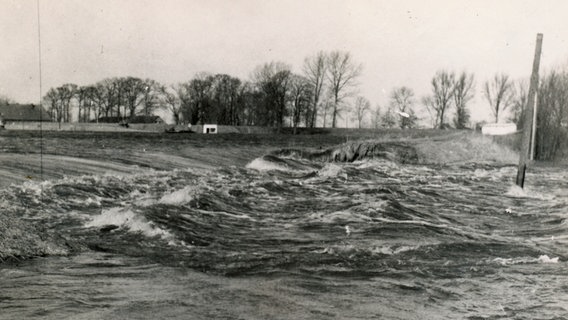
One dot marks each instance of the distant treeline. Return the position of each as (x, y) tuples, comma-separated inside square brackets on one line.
[(321, 95), (274, 96)]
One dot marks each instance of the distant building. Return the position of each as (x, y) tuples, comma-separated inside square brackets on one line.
[(498, 128), (23, 112), (209, 128)]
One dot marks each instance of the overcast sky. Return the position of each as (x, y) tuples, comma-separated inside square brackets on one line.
[(399, 43)]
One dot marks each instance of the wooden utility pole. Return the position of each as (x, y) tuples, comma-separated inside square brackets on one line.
[(533, 134), (528, 120)]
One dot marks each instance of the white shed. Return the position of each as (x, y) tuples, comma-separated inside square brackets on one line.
[(499, 128), (209, 128)]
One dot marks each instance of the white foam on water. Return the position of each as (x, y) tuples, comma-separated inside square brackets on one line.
[(179, 197), (492, 175), (262, 165), (339, 249), (125, 218), (142, 199), (330, 170), (525, 260), (93, 201), (145, 202), (373, 163), (346, 248), (480, 173), (35, 187), (518, 192), (339, 217), (388, 250), (547, 259)]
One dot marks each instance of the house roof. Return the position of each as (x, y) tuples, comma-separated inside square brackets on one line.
[(23, 112)]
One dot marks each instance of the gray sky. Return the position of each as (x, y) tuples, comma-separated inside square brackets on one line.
[(398, 42)]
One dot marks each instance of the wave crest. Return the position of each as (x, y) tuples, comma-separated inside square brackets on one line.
[(125, 218)]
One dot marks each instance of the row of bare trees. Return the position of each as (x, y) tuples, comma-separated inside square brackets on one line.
[(111, 97), (321, 94), (274, 96), (451, 94), (322, 89), (449, 90)]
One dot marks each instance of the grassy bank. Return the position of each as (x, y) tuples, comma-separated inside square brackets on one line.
[(467, 147)]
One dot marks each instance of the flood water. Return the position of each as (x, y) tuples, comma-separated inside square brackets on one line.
[(209, 227)]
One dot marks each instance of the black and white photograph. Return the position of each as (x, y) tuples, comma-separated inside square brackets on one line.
[(283, 159)]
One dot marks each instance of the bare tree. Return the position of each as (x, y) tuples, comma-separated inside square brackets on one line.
[(314, 70), (199, 90), (86, 96), (66, 94), (440, 100), (171, 101), (499, 94), (389, 119), (376, 117), (272, 81), (463, 93), (58, 101), (342, 74), (186, 105), (300, 96), (226, 91), (430, 104), (132, 92), (150, 96), (401, 101), (520, 93), (361, 108), (552, 116), (249, 99), (53, 106), (327, 106), (108, 97)]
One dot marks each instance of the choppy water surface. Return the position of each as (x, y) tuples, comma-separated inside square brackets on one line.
[(195, 227)]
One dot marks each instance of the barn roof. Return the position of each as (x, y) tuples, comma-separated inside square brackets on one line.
[(23, 112)]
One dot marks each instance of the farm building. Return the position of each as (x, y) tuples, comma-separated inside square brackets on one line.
[(210, 128), (23, 112)]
